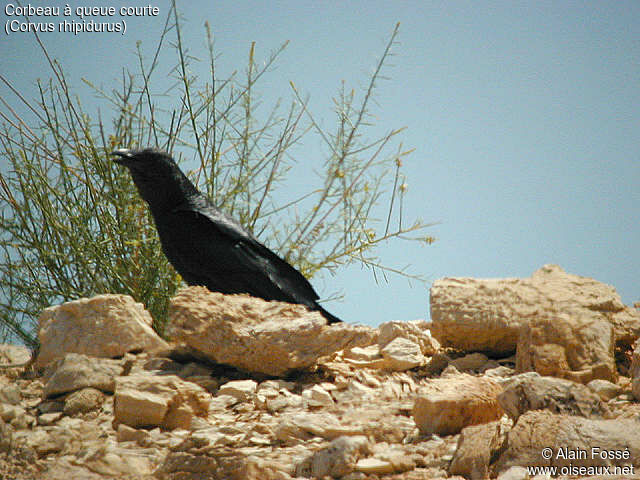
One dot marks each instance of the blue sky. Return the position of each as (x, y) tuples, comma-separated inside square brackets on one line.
[(524, 116)]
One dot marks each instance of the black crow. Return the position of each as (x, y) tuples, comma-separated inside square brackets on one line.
[(206, 246)]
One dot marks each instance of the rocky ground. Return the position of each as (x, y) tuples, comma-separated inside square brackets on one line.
[(512, 374)]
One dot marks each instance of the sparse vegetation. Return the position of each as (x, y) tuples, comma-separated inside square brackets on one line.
[(72, 224)]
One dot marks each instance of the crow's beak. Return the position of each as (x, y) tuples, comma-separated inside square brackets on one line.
[(123, 153)]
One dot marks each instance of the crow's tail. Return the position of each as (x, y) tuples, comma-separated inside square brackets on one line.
[(330, 318)]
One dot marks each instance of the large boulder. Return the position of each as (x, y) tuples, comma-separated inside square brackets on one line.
[(255, 335), (577, 344), (542, 438), (486, 314), (101, 326)]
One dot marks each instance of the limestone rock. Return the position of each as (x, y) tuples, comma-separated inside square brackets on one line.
[(530, 391), (76, 371), (635, 371), (83, 401), (258, 336), (486, 314), (14, 354), (626, 325), (339, 458), (370, 353), (447, 405), (175, 416), (402, 354), (572, 441), (374, 466), (577, 344), (143, 400), (115, 461), (10, 394), (9, 412), (604, 389), (477, 446), (515, 473), (6, 437), (416, 331), (101, 326), (126, 433), (317, 396), (48, 419), (218, 463), (242, 390)]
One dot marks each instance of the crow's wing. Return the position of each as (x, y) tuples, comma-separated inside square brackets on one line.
[(243, 262)]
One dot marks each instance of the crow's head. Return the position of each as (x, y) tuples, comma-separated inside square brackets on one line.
[(147, 160), (156, 175)]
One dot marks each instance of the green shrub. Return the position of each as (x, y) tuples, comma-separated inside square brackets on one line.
[(72, 224)]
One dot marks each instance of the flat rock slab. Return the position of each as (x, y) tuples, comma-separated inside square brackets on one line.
[(447, 405), (75, 372), (486, 314), (101, 326), (530, 391), (255, 335)]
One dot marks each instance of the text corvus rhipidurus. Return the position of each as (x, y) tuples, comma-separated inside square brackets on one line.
[(206, 246)]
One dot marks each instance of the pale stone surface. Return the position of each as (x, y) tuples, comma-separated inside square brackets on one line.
[(568, 437), (115, 461), (417, 331), (48, 419), (577, 344), (158, 400), (101, 326), (515, 473), (477, 446), (486, 314), (604, 389), (14, 354), (402, 354), (363, 354), (374, 466), (635, 370), (10, 394), (626, 324), (530, 391), (339, 458), (76, 371), (125, 433), (258, 336), (243, 390), (447, 405), (317, 396)]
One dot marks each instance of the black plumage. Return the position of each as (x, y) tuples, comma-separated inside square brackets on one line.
[(206, 246)]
